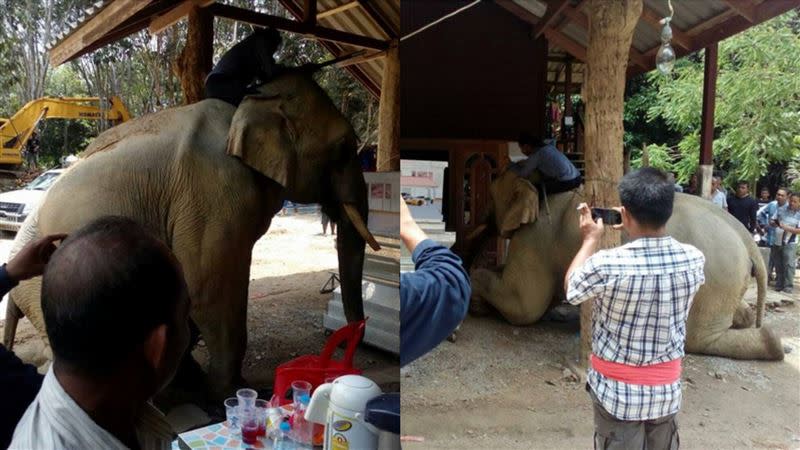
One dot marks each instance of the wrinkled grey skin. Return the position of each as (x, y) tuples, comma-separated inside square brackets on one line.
[(207, 179), (543, 246)]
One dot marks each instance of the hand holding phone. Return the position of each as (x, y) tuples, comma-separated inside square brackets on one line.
[(609, 216)]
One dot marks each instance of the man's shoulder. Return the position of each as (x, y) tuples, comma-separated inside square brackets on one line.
[(689, 251)]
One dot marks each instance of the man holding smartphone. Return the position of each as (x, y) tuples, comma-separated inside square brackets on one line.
[(787, 226), (641, 293)]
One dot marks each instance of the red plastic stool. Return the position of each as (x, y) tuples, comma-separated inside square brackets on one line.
[(316, 368)]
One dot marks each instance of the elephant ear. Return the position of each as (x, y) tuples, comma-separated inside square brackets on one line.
[(263, 137), (522, 209)]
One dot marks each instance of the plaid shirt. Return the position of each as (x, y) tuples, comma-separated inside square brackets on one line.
[(642, 294)]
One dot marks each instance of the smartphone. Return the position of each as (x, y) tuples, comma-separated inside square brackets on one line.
[(609, 216)]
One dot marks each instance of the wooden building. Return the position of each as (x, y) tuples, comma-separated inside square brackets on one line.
[(473, 81)]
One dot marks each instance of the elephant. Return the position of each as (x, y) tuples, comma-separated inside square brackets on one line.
[(544, 238), (207, 178)]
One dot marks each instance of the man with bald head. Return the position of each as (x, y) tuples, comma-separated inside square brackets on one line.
[(116, 310)]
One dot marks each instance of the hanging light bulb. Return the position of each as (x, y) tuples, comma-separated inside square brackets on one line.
[(665, 58)]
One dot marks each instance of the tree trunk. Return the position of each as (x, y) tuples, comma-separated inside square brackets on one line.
[(611, 25), (194, 63)]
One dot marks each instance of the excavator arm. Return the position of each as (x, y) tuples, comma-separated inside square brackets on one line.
[(15, 132)]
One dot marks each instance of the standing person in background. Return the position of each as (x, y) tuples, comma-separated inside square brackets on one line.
[(325, 221), (744, 207), (717, 194), (765, 214), (787, 223), (32, 150), (641, 294), (434, 298), (764, 197)]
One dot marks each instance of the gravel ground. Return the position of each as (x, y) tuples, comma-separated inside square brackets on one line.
[(500, 386)]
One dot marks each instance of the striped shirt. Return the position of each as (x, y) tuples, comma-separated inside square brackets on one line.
[(642, 293), (55, 421)]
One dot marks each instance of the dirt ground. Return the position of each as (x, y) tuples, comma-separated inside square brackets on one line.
[(289, 266), (500, 386)]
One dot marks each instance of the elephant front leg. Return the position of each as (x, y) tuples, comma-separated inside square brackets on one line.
[(516, 303)]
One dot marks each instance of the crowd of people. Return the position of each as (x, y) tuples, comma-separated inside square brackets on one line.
[(774, 223)]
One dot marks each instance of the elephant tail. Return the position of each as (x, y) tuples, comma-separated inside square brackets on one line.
[(760, 272)]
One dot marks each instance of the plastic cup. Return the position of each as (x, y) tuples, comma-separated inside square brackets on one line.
[(248, 418), (232, 413), (247, 398), (261, 412), (300, 388)]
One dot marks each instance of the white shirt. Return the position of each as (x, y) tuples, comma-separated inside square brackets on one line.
[(719, 198), (55, 421)]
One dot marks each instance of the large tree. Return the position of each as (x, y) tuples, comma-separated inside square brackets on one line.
[(757, 119)]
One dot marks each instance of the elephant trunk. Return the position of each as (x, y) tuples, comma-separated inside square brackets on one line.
[(350, 213)]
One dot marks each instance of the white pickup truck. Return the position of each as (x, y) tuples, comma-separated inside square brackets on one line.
[(15, 206)]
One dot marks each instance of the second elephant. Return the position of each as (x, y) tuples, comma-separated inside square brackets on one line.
[(545, 239)]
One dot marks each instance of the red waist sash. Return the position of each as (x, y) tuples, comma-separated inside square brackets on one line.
[(652, 375)]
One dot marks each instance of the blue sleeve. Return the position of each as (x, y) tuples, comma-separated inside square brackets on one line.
[(433, 300), (6, 283)]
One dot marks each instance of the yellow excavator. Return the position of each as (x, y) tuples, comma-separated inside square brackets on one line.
[(15, 132)]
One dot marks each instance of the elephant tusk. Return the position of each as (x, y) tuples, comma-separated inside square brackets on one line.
[(355, 219)]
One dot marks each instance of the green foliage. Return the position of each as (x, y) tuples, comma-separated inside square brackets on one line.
[(757, 118)]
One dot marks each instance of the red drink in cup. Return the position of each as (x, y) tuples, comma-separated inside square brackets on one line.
[(250, 433)]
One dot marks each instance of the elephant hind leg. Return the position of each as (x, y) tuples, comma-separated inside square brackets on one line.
[(744, 317), (748, 343)]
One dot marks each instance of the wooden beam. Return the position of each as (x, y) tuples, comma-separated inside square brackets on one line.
[(554, 8), (744, 8), (375, 14), (709, 100), (106, 20), (361, 59), (568, 44), (164, 21), (280, 23), (679, 36), (337, 10), (638, 58), (310, 13)]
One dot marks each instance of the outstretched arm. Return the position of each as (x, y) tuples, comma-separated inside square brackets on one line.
[(434, 298)]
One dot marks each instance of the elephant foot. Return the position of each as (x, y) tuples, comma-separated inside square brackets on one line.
[(744, 317)]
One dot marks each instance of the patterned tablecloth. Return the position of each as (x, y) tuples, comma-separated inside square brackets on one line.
[(213, 437)]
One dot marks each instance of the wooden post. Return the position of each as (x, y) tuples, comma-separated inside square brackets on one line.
[(389, 113), (611, 25), (194, 63), (706, 169)]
